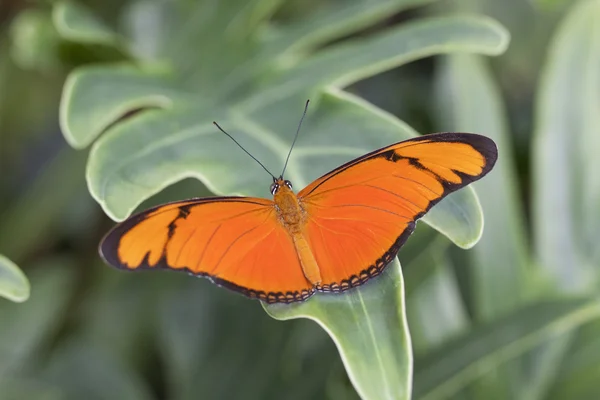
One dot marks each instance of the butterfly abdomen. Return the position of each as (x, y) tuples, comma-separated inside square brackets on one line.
[(310, 268)]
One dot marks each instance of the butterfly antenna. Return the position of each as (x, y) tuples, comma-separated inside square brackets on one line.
[(295, 137), (246, 151)]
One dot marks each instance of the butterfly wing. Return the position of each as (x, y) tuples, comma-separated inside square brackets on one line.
[(236, 242), (360, 214)]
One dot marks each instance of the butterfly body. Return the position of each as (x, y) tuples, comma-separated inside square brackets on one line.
[(293, 217), (337, 233)]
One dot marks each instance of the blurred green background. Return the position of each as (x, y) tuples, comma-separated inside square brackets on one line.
[(513, 318)]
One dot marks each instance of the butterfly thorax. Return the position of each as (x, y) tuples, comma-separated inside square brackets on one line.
[(289, 209)]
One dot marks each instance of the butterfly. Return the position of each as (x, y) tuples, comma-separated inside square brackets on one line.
[(335, 234)]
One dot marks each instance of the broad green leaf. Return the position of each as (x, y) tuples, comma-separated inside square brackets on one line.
[(459, 217), (285, 45), (75, 23), (354, 60), (566, 190), (13, 283), (368, 326), (24, 328), (207, 41), (95, 97), (331, 22), (444, 372)]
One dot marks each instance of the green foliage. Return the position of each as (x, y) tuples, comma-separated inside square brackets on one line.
[(13, 284), (138, 157), (35, 41), (565, 160), (368, 326), (511, 318), (448, 369)]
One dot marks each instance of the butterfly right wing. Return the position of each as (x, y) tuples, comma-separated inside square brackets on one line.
[(236, 242), (360, 214)]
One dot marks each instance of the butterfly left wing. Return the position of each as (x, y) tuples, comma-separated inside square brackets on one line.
[(360, 214), (236, 242)]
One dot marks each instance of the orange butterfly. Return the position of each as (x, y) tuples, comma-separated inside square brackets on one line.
[(335, 234)]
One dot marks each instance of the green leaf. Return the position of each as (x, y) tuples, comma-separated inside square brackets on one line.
[(77, 24), (330, 22), (95, 97), (13, 283), (368, 326), (444, 372), (26, 327), (566, 211), (354, 60), (459, 217)]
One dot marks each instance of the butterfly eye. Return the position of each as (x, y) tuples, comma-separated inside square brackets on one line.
[(288, 184), (274, 188)]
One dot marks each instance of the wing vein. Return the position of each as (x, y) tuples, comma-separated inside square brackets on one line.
[(237, 239), (184, 244), (418, 207), (206, 246), (369, 207), (418, 183)]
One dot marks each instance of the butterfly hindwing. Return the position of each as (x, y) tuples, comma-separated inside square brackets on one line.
[(361, 213), (236, 242)]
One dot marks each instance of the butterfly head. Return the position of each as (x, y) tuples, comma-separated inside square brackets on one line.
[(280, 184)]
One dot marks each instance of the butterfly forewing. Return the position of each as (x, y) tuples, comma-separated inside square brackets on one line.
[(361, 213)]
